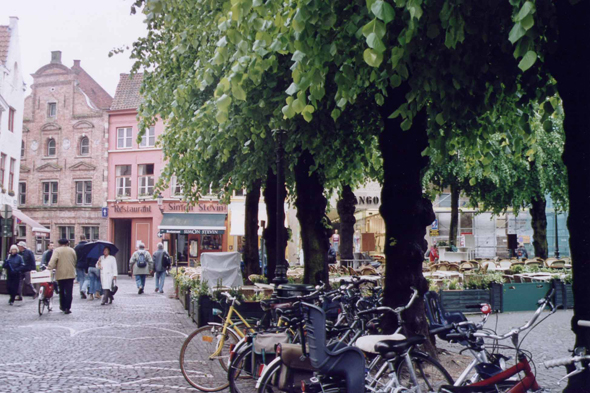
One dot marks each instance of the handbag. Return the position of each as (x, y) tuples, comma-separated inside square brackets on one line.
[(114, 287)]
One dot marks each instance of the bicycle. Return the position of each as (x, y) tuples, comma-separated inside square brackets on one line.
[(204, 356), (46, 291), (489, 370), (579, 359)]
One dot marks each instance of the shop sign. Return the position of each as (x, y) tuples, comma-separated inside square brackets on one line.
[(434, 225), (132, 209), (433, 232), (194, 231), (199, 208), (367, 200)]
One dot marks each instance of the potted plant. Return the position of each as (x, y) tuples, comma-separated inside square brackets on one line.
[(11, 193)]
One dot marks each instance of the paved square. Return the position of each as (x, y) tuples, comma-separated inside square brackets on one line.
[(132, 345)]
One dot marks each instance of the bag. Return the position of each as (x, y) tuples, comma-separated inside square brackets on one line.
[(114, 287), (166, 261), (141, 261)]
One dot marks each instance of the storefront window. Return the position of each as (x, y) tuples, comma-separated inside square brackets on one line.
[(182, 251), (211, 242)]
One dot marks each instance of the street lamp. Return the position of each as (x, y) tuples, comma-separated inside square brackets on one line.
[(280, 268), (556, 236), (160, 199)]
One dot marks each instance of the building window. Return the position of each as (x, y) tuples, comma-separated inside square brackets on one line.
[(2, 168), (176, 187), (11, 175), (50, 193), (42, 242), (149, 138), (240, 193), (124, 138), (22, 193), (84, 192), (123, 174), (146, 179), (51, 147), (11, 114), (52, 109), (84, 146), (67, 233), (91, 233), (21, 232), (22, 149)]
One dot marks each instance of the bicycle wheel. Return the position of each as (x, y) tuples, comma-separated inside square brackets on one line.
[(41, 300), (198, 367), (239, 374), (430, 374), (268, 383)]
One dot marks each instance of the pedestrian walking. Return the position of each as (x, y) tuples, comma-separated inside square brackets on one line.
[(63, 261), (161, 265), (141, 262), (433, 253), (107, 264), (46, 257), (30, 265), (521, 252), (94, 279), (81, 268), (14, 265)]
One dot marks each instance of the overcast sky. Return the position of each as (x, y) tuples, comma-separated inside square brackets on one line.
[(83, 30)]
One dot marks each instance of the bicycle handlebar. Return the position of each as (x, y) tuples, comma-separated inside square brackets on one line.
[(564, 361)]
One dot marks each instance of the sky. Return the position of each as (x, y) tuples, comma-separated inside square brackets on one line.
[(83, 30)]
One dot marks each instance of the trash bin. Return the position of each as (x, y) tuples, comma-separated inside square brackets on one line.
[(290, 290)]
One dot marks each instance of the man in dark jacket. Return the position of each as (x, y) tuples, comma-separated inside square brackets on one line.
[(161, 264), (82, 268), (30, 264)]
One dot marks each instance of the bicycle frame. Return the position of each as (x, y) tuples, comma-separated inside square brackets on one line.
[(229, 324), (527, 383)]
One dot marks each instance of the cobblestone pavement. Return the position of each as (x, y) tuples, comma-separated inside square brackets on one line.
[(550, 340), (132, 345)]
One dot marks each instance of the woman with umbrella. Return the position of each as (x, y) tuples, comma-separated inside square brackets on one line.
[(108, 274), (105, 253)]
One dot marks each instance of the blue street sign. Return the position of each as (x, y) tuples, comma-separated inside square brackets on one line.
[(105, 212), (434, 225)]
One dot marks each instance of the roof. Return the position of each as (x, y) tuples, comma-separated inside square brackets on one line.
[(4, 43), (127, 95), (92, 89)]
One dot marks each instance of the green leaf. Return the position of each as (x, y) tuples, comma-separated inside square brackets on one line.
[(528, 22), (395, 80), (406, 124), (297, 56), (528, 60), (238, 92), (374, 26), (335, 114), (223, 103), (372, 57), (383, 11), (221, 117), (293, 88), (298, 105), (307, 112), (472, 181), (516, 33), (414, 8), (548, 125), (527, 8), (396, 54), (375, 42), (379, 99), (440, 119)]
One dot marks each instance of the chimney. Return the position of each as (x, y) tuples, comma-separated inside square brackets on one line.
[(77, 63), (56, 57), (13, 22)]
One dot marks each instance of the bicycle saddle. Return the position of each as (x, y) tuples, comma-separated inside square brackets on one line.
[(468, 389), (391, 348), (367, 343)]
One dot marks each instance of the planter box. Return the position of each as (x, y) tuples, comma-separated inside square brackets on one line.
[(203, 310), (185, 298), (524, 296), (457, 300), (569, 293)]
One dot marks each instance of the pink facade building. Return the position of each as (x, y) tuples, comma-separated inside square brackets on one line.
[(133, 210)]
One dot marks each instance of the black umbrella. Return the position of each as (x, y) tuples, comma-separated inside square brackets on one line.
[(94, 250)]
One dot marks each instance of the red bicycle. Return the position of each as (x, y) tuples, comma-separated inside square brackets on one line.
[(490, 374)]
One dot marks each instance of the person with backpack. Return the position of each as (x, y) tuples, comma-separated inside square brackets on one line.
[(14, 266), (141, 263), (161, 264)]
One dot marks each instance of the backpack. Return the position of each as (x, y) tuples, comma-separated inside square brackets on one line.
[(141, 261)]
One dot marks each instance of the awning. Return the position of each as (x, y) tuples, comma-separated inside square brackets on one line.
[(36, 227), (197, 224)]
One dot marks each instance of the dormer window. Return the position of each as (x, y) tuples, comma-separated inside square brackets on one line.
[(52, 109)]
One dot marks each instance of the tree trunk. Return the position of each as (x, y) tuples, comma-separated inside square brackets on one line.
[(573, 82), (455, 191), (539, 224), (346, 207), (270, 232), (251, 258), (311, 213), (405, 211)]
